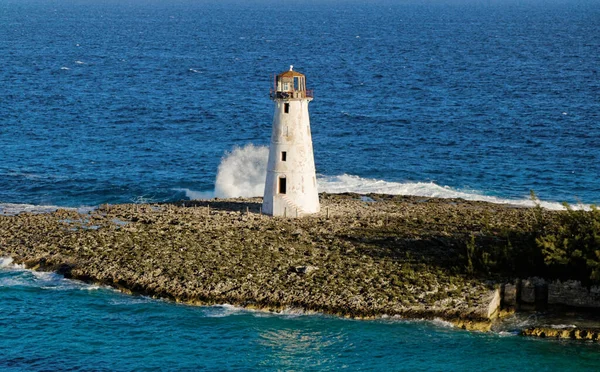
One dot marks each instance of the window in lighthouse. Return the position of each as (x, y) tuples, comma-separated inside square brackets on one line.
[(283, 156), (286, 108), (282, 185)]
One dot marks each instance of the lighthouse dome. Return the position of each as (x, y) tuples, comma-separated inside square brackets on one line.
[(290, 85)]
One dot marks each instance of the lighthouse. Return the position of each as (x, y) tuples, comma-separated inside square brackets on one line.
[(291, 185)]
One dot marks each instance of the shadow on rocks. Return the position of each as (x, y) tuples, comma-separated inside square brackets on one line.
[(242, 205)]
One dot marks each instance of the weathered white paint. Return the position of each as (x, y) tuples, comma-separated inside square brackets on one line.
[(291, 134)]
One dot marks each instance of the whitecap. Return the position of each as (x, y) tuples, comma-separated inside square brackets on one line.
[(47, 276), (9, 263), (223, 310), (508, 333), (6, 262), (242, 173), (355, 184), (563, 326), (92, 287), (18, 275), (442, 323)]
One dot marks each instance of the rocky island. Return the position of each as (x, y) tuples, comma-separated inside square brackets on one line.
[(361, 256)]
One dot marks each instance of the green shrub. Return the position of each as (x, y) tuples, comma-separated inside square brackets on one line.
[(572, 250)]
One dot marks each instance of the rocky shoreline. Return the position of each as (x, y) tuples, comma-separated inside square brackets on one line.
[(360, 257)]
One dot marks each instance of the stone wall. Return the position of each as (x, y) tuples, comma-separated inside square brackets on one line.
[(572, 293), (537, 293)]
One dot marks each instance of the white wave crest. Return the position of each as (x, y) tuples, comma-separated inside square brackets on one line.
[(224, 310), (508, 333), (355, 184), (5, 262), (242, 172), (9, 263), (48, 277), (563, 326), (442, 323), (17, 275)]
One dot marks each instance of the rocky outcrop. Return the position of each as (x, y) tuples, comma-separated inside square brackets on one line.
[(591, 334), (395, 256)]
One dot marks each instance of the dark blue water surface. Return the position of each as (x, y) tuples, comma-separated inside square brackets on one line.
[(118, 101), (112, 101)]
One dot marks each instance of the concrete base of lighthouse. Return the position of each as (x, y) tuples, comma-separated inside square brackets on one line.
[(291, 204)]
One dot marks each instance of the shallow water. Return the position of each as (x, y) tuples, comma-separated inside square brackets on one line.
[(51, 323)]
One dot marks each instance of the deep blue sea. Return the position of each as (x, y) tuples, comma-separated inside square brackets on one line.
[(106, 101)]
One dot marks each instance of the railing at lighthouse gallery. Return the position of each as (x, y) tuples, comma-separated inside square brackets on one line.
[(274, 94)]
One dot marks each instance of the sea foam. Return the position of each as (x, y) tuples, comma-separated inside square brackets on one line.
[(13, 275), (243, 170), (8, 262)]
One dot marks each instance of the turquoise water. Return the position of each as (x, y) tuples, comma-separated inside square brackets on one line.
[(120, 101), (50, 323)]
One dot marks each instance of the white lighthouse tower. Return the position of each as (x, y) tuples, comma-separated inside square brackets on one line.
[(291, 186)]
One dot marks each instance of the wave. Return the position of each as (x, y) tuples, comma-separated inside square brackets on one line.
[(242, 173), (349, 183), (563, 326), (8, 263), (224, 310), (442, 323), (243, 170), (16, 275)]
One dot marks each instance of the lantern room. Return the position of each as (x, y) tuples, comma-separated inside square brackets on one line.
[(290, 85)]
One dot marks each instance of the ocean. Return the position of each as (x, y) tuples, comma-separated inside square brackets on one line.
[(148, 101), (49, 323)]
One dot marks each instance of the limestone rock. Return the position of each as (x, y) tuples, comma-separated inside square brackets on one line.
[(303, 269)]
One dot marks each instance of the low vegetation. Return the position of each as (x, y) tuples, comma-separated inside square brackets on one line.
[(556, 245)]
